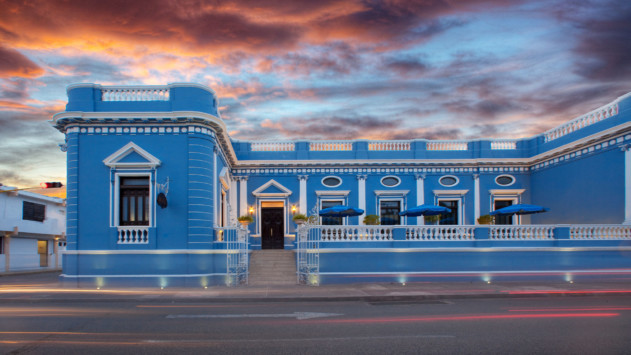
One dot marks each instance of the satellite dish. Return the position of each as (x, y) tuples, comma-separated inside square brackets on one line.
[(161, 200)]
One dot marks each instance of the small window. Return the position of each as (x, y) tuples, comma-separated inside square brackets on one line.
[(134, 201), (33, 211), (331, 221), (390, 212), (390, 181), (331, 181), (504, 180), (448, 180)]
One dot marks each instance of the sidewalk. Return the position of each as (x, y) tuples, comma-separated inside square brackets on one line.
[(46, 286)]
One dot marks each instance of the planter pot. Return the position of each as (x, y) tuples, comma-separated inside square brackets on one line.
[(299, 221)]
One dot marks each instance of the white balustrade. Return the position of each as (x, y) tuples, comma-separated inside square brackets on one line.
[(141, 93), (583, 121), (356, 233), (331, 146), (272, 146), (503, 145), (599, 232), (133, 235), (440, 233), (522, 232), (447, 145), (389, 145)]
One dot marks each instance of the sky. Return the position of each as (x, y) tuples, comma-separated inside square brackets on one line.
[(305, 69)]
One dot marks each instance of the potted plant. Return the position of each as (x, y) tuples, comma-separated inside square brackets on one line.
[(432, 220), (299, 218), (245, 220), (486, 219), (371, 220)]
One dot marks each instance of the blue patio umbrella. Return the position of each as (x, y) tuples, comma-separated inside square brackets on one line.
[(519, 209), (340, 211), (425, 210)]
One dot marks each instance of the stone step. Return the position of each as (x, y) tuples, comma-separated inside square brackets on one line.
[(272, 267)]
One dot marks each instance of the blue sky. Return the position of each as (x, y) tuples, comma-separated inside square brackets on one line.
[(303, 69)]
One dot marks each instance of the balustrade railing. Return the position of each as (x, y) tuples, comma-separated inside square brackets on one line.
[(331, 146), (440, 233), (272, 146), (447, 145), (598, 232), (145, 93), (503, 145), (583, 121), (389, 145), (133, 235), (523, 232), (356, 233)]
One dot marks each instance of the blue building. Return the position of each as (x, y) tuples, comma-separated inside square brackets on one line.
[(156, 184)]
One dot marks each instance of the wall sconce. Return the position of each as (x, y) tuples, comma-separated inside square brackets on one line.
[(293, 209), (251, 210)]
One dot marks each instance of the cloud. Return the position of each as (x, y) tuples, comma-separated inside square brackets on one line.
[(15, 64)]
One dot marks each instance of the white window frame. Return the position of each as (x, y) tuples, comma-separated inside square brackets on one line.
[(460, 206), (320, 200), (515, 220), (401, 201), (115, 196)]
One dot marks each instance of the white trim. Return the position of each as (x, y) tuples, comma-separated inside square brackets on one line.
[(505, 175), (361, 197), (401, 200), (515, 220), (627, 186), (285, 191), (448, 176), (460, 207), (334, 177), (113, 160), (115, 203), (333, 193), (391, 176), (515, 192), (224, 178), (391, 192), (450, 192), (476, 198), (420, 197), (302, 208)]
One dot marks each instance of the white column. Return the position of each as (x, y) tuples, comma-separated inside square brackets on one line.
[(627, 184), (233, 200), (302, 208), (215, 208), (476, 197), (361, 196), (420, 195), (7, 250), (243, 196), (56, 250)]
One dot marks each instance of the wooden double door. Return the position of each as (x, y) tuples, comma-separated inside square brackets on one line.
[(272, 228)]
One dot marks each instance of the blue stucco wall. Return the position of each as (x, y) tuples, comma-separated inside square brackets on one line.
[(586, 190)]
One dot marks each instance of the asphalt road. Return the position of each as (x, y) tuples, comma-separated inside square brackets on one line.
[(554, 325)]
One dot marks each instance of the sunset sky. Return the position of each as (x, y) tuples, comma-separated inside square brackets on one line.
[(315, 69)]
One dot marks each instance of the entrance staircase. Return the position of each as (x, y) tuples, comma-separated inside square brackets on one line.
[(272, 268)]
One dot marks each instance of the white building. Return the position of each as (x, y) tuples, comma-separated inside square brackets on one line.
[(32, 230)]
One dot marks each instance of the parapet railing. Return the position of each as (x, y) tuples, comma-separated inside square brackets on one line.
[(389, 145), (447, 145), (585, 120), (133, 235), (330, 146), (272, 146), (600, 232), (439, 233), (504, 145), (523, 232), (356, 233), (130, 93)]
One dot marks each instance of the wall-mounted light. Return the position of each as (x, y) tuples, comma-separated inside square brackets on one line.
[(251, 210), (293, 209)]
